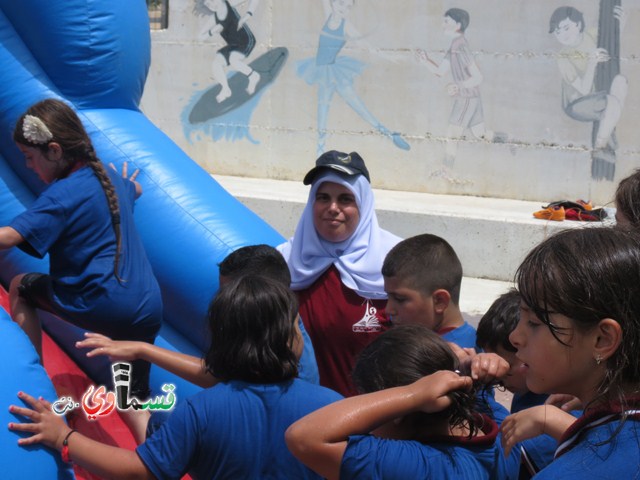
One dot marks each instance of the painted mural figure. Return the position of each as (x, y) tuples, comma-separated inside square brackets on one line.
[(335, 73), (467, 110), (226, 21), (582, 100)]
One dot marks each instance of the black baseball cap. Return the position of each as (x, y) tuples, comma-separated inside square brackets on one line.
[(347, 163)]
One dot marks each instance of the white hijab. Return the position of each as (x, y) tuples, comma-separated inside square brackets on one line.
[(358, 258)]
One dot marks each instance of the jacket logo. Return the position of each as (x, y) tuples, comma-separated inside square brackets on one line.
[(369, 322)]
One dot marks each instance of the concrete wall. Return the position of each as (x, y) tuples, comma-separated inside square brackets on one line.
[(543, 155)]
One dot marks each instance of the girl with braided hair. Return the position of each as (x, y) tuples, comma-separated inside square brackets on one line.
[(100, 278)]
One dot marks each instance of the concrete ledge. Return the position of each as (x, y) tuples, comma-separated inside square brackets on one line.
[(491, 236)]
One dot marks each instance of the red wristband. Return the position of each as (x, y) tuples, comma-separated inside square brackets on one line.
[(65, 448)]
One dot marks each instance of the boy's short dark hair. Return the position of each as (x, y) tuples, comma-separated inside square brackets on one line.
[(428, 263), (258, 259), (562, 13), (498, 322), (251, 320), (459, 16)]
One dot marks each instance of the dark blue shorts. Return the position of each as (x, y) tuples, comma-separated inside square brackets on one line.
[(36, 289)]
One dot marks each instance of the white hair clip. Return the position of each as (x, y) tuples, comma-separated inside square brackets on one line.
[(35, 130)]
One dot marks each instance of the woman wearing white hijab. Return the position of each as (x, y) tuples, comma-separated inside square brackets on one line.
[(335, 258)]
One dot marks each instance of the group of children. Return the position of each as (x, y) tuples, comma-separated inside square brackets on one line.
[(425, 405)]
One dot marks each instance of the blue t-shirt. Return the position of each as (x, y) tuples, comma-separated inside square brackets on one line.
[(369, 457), (234, 430), (307, 365), (464, 336), (506, 468), (527, 400), (617, 458), (71, 221)]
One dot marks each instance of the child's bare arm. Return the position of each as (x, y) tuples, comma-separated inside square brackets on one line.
[(9, 237), (319, 440), (185, 366), (50, 429), (534, 421)]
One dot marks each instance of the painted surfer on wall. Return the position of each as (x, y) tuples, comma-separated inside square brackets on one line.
[(334, 73), (592, 88), (226, 21), (467, 110), (224, 110)]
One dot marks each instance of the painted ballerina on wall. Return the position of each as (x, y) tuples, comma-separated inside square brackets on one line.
[(334, 73), (466, 112), (226, 21), (592, 88)]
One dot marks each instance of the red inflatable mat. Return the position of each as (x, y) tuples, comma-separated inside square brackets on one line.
[(70, 381)]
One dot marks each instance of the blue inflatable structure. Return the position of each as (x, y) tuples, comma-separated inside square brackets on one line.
[(95, 54)]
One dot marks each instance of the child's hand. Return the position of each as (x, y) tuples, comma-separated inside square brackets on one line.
[(432, 391), (465, 355), (488, 367), (523, 425), (116, 350), (45, 426), (564, 402), (125, 167)]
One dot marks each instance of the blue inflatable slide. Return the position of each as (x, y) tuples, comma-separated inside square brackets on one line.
[(95, 54)]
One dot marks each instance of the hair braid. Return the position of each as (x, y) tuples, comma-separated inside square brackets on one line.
[(112, 199)]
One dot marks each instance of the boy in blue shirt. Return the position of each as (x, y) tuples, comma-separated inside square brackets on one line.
[(422, 277)]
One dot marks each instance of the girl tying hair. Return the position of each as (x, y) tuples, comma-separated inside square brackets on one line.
[(232, 430), (578, 334), (99, 278), (412, 420)]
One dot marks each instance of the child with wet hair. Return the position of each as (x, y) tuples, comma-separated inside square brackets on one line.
[(415, 418)]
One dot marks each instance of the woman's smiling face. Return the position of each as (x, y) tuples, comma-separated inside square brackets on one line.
[(335, 212)]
